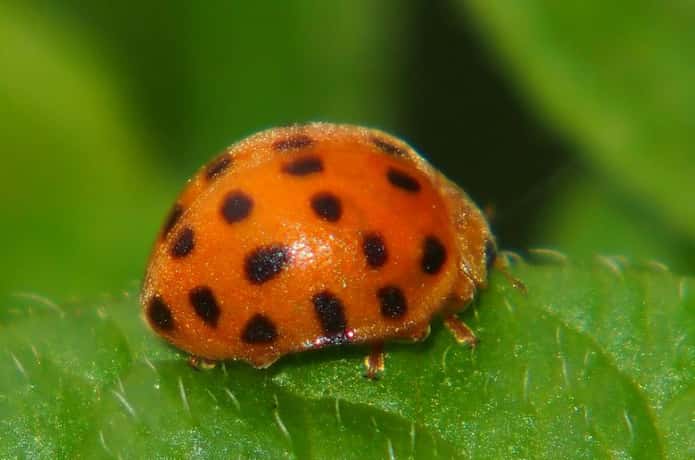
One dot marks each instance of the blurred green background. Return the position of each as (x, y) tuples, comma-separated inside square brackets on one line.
[(573, 122)]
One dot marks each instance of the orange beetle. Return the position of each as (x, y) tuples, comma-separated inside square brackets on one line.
[(312, 235)]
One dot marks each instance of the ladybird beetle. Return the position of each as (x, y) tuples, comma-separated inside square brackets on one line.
[(312, 235)]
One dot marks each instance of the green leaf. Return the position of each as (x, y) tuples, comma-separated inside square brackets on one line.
[(617, 78), (596, 361)]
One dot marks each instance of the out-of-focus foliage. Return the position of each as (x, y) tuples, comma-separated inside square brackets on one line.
[(571, 120), (78, 185), (617, 79)]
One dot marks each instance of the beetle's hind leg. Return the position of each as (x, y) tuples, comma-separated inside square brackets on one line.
[(501, 263), (374, 361), (460, 330), (201, 364)]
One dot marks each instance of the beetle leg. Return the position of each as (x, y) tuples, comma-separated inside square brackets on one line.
[(501, 263), (421, 334), (374, 361), (461, 332), (417, 334), (201, 364)]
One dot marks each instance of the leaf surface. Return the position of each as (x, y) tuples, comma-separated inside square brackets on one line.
[(596, 361)]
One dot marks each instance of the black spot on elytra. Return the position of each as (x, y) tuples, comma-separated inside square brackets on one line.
[(236, 207), (259, 329), (392, 300), (490, 253), (303, 166), (330, 312), (183, 244), (298, 141), (159, 314), (205, 305), (374, 250), (217, 166), (389, 148), (172, 218), (403, 180), (265, 263), (433, 255), (327, 206)]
